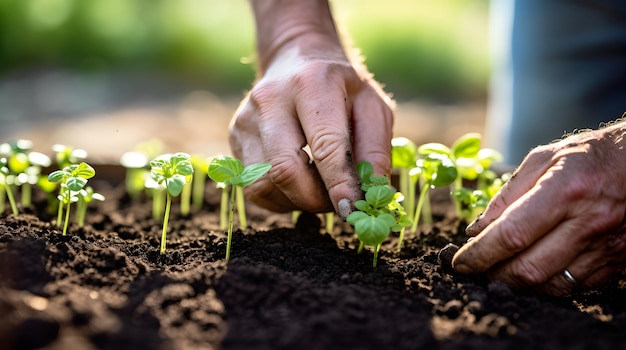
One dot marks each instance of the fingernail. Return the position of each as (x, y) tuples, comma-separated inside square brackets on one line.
[(461, 268), (344, 208), (474, 224)]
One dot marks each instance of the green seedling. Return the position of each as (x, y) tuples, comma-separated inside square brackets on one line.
[(174, 171), (436, 170), (379, 213), (200, 166), (72, 178), (136, 165), (25, 166), (473, 202), (85, 196), (49, 188), (5, 187), (403, 159), (228, 171), (66, 155)]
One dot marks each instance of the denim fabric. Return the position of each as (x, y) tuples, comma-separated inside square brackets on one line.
[(560, 66)]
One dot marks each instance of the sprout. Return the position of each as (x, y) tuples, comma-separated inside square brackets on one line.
[(24, 166), (136, 164), (5, 187), (85, 196), (72, 178), (228, 171), (379, 214), (174, 172)]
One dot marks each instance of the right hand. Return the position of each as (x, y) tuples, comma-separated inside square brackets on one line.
[(315, 98)]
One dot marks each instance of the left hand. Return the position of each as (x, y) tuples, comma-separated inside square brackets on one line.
[(564, 208)]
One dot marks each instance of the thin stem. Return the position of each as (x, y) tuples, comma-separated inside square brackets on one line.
[(418, 208), (185, 200), (376, 250), (59, 213), (197, 195), (361, 245), (224, 209), (3, 202), (401, 238), (241, 207), (67, 212), (11, 200), (166, 219), (81, 209), (230, 221), (26, 195)]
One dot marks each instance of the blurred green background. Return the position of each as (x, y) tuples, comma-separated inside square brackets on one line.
[(417, 48)]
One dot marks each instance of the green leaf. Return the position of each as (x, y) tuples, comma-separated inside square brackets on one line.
[(84, 171), (224, 168), (373, 230), (433, 147), (446, 174), (56, 176), (364, 170), (253, 172), (403, 153), (76, 183), (175, 184), (379, 196), (361, 205), (466, 146)]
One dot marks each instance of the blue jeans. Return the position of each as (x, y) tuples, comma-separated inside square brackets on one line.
[(560, 66)]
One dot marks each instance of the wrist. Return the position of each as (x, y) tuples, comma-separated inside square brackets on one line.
[(304, 25)]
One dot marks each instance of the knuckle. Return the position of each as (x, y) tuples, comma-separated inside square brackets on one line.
[(513, 238), (284, 171), (527, 273), (325, 144)]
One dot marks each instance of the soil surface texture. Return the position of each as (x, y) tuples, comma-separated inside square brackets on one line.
[(286, 286)]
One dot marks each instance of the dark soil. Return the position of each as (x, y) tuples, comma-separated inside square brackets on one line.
[(105, 286)]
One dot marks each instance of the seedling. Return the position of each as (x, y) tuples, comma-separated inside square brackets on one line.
[(24, 166), (85, 196), (436, 170), (379, 213), (403, 159), (73, 178), (174, 172), (200, 166), (66, 155), (227, 171), (5, 187), (136, 165)]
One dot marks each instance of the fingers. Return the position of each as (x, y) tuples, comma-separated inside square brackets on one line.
[(522, 180), (325, 122), (520, 225), (372, 127)]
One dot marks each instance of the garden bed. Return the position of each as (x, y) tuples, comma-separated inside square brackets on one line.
[(286, 286)]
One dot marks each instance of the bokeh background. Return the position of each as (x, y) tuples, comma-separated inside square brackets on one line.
[(106, 75)]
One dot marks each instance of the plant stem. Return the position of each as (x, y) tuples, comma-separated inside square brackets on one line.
[(294, 216), (81, 209), (185, 200), (3, 202), (198, 183), (67, 212), (376, 250), (11, 200), (166, 219), (26, 195), (59, 213), (230, 221), (224, 209), (241, 207), (361, 245), (418, 208), (401, 238)]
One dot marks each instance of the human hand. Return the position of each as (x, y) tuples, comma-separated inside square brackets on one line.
[(310, 94), (564, 208)]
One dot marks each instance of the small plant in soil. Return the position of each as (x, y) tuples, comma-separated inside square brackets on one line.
[(379, 214), (174, 171), (25, 166), (85, 196), (66, 155), (227, 171), (73, 179), (5, 188)]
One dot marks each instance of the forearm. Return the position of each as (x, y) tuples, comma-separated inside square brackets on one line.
[(304, 24)]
